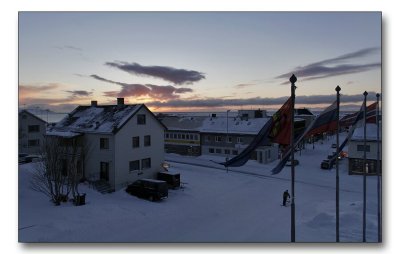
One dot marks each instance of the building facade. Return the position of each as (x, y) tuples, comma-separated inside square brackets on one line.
[(223, 135), (230, 145), (31, 132), (121, 143), (356, 150)]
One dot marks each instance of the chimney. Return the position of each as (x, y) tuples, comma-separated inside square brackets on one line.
[(120, 101), (93, 103)]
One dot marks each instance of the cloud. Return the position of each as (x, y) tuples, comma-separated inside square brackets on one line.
[(27, 93), (333, 67), (35, 89), (176, 76), (68, 47), (316, 100), (239, 86), (138, 90), (80, 93), (45, 95)]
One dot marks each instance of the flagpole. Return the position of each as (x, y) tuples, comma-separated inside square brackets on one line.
[(337, 161), (378, 170), (365, 167), (292, 80)]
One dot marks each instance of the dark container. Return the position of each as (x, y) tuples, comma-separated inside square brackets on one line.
[(148, 189), (173, 179)]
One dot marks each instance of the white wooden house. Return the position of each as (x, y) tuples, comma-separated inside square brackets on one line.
[(31, 132), (121, 143), (356, 149)]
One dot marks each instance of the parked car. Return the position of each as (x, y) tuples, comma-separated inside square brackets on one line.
[(173, 179), (289, 163), (148, 189)]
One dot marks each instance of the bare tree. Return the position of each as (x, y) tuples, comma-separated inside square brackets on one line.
[(57, 174)]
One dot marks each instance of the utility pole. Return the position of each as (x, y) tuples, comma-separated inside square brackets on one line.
[(292, 80), (337, 161)]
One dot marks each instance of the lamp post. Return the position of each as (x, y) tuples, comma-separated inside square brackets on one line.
[(292, 80)]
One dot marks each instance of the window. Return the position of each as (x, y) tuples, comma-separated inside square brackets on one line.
[(167, 135), (191, 136), (208, 138), (235, 152), (211, 150), (134, 165), (146, 163), (33, 128), (229, 139), (33, 142), (175, 137), (135, 142), (239, 139), (104, 143), (360, 148), (147, 140), (196, 137), (218, 150), (218, 138), (141, 119), (179, 136), (227, 151)]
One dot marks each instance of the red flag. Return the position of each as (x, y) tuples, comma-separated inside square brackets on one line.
[(371, 113), (348, 120), (282, 119)]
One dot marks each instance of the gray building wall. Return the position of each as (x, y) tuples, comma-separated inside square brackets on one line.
[(25, 137), (183, 142), (124, 152), (94, 156), (215, 144), (356, 157)]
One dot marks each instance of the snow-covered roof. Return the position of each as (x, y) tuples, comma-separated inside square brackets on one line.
[(183, 123), (370, 133), (235, 125), (303, 112), (96, 119), (25, 111), (64, 134)]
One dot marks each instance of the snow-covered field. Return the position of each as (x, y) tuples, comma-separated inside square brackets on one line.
[(242, 205)]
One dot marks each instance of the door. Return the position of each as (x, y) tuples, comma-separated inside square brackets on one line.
[(104, 171)]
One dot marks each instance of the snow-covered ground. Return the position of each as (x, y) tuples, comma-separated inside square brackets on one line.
[(242, 205)]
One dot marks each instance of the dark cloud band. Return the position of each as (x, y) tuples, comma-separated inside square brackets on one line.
[(176, 76), (333, 67), (137, 90), (256, 101)]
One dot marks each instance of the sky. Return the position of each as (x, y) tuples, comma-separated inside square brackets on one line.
[(197, 61)]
